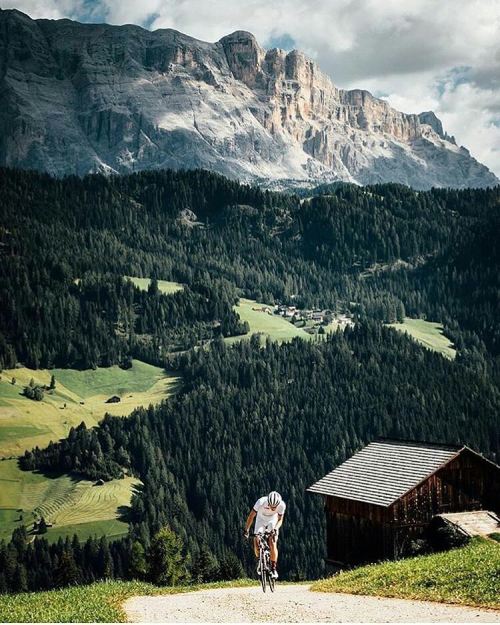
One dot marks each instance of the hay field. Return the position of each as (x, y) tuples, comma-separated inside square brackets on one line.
[(72, 504)]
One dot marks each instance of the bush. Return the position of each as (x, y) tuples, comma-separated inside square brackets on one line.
[(442, 535), (33, 392)]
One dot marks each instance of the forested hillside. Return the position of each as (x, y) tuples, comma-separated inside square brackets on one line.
[(251, 419), (248, 417), (371, 249)]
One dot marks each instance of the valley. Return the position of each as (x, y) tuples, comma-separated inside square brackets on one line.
[(391, 267), (241, 267)]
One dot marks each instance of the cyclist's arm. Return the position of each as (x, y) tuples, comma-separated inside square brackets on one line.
[(250, 519), (280, 521)]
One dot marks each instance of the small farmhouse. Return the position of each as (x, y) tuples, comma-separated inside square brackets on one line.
[(386, 495)]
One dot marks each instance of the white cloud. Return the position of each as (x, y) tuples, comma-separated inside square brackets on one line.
[(49, 9), (407, 50)]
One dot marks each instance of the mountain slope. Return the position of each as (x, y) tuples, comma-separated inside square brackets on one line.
[(79, 98)]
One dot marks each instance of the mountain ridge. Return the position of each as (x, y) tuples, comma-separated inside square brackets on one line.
[(81, 98)]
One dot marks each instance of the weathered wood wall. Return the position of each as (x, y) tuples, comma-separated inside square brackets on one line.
[(359, 532)]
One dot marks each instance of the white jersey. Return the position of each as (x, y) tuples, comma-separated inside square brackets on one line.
[(267, 517)]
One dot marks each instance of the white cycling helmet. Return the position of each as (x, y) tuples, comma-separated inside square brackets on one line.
[(274, 499)]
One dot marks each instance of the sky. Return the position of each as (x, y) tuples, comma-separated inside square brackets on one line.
[(420, 55)]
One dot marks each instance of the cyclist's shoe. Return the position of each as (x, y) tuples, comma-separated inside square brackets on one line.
[(258, 568), (274, 572)]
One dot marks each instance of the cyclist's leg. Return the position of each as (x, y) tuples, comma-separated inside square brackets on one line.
[(258, 529), (256, 546), (273, 544)]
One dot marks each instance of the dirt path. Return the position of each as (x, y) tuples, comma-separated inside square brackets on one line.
[(293, 603)]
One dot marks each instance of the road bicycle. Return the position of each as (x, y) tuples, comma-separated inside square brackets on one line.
[(264, 567)]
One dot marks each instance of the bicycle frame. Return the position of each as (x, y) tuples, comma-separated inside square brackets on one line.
[(266, 577)]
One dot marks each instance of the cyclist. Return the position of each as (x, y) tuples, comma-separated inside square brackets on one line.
[(268, 513)]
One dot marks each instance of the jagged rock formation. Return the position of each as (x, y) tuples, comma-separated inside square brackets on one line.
[(78, 98)]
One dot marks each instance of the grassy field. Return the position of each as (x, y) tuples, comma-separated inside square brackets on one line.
[(467, 576), (98, 603), (25, 423), (267, 324), (72, 504), (163, 285), (428, 334)]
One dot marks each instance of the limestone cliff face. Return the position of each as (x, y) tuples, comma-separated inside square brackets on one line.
[(79, 98)]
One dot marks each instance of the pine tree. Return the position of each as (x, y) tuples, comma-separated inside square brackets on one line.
[(230, 567), (205, 566), (167, 564), (66, 573), (105, 561), (20, 581), (137, 561)]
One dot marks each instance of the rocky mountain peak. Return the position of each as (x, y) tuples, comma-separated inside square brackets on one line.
[(429, 118), (244, 57), (77, 98)]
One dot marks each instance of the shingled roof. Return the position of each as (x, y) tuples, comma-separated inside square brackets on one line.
[(384, 470)]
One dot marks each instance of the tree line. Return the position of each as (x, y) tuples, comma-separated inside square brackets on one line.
[(40, 565)]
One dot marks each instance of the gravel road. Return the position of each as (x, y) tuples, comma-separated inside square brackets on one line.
[(294, 603)]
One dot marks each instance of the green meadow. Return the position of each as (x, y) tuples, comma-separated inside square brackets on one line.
[(266, 324), (165, 286), (78, 396), (71, 504), (427, 333)]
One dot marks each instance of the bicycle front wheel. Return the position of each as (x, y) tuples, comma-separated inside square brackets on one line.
[(270, 580), (263, 572)]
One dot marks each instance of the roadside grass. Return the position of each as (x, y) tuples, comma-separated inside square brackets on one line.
[(24, 423), (165, 286), (427, 333), (469, 575), (274, 326), (72, 504), (100, 602)]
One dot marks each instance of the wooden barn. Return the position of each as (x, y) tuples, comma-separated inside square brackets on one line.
[(385, 496)]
